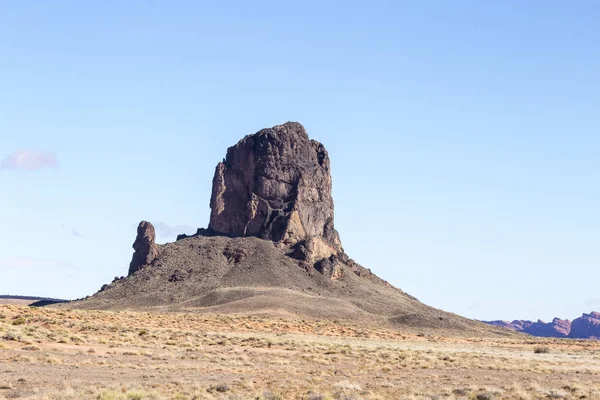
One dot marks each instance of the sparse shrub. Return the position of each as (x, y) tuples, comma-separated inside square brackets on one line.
[(222, 388), (268, 395), (11, 336), (76, 339), (541, 350), (484, 396), (460, 392), (19, 321), (30, 348), (143, 332), (556, 395), (345, 384)]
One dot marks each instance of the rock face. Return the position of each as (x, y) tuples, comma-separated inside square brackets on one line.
[(276, 185), (146, 250), (586, 326), (557, 328)]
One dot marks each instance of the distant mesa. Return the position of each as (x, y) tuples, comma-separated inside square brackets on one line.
[(585, 327), (32, 301), (270, 247)]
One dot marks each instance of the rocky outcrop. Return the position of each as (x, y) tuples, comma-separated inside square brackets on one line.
[(276, 185), (270, 249), (516, 325), (146, 250), (557, 328), (586, 326)]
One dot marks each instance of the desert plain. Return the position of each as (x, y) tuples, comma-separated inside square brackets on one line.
[(62, 353)]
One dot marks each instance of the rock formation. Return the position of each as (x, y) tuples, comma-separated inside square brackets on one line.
[(145, 248), (586, 326), (276, 185), (270, 248), (557, 328)]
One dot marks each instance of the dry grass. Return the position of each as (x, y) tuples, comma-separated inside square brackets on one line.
[(76, 354)]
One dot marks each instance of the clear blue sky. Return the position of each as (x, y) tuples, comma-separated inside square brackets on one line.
[(464, 136)]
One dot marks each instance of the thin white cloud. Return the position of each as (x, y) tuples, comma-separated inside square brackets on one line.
[(29, 160), (76, 233)]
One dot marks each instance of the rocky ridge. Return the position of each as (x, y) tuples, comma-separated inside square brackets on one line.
[(585, 327)]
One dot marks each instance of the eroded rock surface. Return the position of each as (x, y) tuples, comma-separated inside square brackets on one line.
[(586, 326), (276, 185), (557, 328), (146, 250)]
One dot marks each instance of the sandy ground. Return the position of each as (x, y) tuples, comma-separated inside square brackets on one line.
[(48, 353)]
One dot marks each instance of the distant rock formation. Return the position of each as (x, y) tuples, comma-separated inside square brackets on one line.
[(585, 327), (556, 328), (145, 248)]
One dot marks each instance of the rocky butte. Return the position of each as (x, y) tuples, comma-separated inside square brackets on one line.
[(276, 185), (270, 247)]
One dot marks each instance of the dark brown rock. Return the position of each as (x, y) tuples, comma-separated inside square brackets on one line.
[(276, 185), (330, 267), (146, 250), (586, 326)]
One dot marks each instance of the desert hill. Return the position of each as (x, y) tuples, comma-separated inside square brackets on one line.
[(270, 248)]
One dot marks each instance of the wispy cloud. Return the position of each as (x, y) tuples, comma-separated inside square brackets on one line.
[(29, 160), (593, 302), (164, 230), (27, 263), (76, 233)]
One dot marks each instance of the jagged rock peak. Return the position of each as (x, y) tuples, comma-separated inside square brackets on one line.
[(146, 250), (276, 185)]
